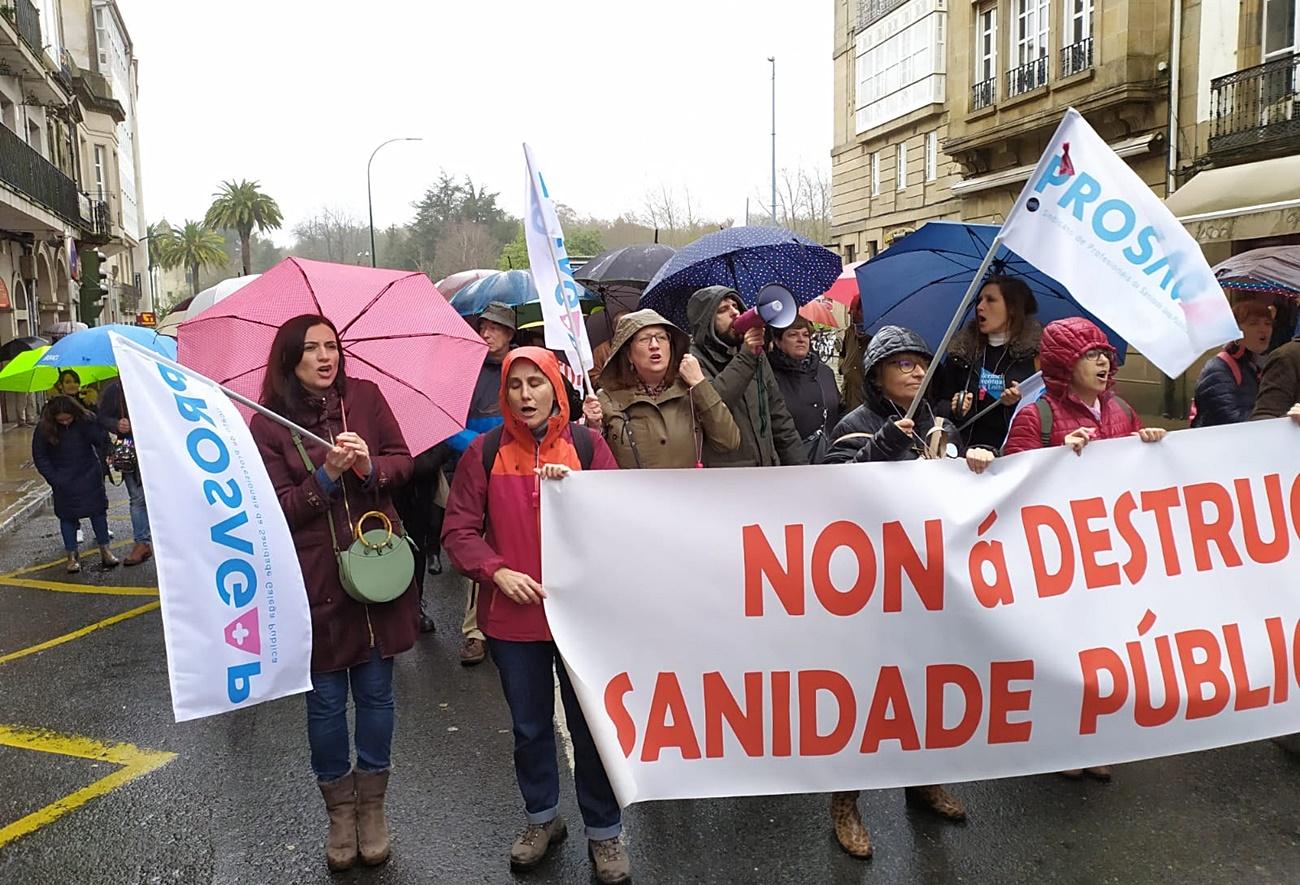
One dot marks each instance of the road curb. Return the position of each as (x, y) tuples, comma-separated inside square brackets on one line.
[(35, 493)]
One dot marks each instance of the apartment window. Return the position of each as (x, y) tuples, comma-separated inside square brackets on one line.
[(875, 174), (984, 92), (1076, 53), (850, 253), (931, 156), (1281, 21), (99, 172), (900, 165), (1031, 47)]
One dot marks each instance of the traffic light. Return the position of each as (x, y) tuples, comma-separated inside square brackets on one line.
[(94, 285)]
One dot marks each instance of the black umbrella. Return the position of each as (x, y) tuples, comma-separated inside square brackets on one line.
[(620, 275), (11, 349)]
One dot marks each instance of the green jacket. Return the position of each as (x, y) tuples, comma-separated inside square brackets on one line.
[(673, 430), (745, 382), (1279, 385)]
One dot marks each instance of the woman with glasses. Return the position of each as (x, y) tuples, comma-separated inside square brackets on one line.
[(653, 408), (894, 364), (808, 386)]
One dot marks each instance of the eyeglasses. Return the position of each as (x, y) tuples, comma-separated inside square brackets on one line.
[(656, 337), (1096, 354), (907, 366)]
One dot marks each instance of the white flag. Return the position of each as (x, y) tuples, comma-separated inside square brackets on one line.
[(234, 609), (1087, 219), (561, 311)]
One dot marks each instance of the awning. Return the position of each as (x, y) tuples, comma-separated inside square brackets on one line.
[(1245, 202), (1128, 147)]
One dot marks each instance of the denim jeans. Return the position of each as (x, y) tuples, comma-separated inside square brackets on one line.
[(139, 512), (528, 671), (327, 718), (69, 528)]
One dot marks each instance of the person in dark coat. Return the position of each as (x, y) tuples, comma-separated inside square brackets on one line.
[(893, 365), (739, 371), (353, 644), (115, 417), (987, 361), (69, 449), (807, 386), (1229, 383)]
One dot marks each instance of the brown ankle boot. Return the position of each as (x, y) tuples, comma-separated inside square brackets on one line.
[(372, 827), (938, 800), (850, 831), (341, 803)]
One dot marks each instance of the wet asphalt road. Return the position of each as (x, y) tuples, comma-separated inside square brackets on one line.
[(237, 804)]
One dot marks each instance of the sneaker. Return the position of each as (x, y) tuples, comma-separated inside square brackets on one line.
[(609, 861), (473, 652), (530, 848), (81, 536), (435, 564)]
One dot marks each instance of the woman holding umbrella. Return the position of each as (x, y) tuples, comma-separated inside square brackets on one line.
[(353, 643), (987, 360), (654, 409)]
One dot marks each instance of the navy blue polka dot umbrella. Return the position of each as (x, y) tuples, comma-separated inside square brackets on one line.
[(746, 259)]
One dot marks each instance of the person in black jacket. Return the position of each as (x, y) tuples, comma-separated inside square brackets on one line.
[(69, 450), (1229, 383), (115, 417), (988, 359), (808, 386), (894, 364)]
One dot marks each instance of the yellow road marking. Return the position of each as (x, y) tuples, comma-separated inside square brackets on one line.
[(68, 637), (68, 587), (135, 763), (120, 545)]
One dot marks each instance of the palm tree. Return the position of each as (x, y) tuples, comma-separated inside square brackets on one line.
[(193, 246), (240, 206)]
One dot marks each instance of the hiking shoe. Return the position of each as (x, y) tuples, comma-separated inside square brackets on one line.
[(530, 848), (609, 861), (473, 652)]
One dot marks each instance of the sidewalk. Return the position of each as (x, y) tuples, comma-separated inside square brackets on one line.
[(22, 491)]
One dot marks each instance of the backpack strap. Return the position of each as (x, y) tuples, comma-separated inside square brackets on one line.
[(582, 442), (1125, 407), (1045, 420), (1233, 365), (491, 445)]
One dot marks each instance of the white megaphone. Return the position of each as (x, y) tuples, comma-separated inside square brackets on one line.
[(775, 307)]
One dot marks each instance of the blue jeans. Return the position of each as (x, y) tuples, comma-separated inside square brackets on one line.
[(528, 671), (139, 512), (69, 527), (327, 718)]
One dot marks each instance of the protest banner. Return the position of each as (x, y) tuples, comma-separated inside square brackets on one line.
[(235, 617), (549, 263), (863, 626), (1087, 219)]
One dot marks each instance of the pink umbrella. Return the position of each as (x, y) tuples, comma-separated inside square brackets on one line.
[(821, 312), (394, 327), (450, 285), (845, 287)]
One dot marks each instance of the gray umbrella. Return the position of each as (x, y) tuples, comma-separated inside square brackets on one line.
[(620, 275), (1272, 270)]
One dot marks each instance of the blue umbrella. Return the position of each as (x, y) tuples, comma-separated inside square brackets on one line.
[(511, 287), (91, 347), (919, 281), (746, 259)]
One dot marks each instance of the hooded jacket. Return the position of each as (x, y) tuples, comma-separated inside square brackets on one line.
[(967, 356), (74, 467), (484, 410), (343, 630), (671, 430), (1279, 385), (497, 524), (745, 382), (1064, 344), (868, 433)]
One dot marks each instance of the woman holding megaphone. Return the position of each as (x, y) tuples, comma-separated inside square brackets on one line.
[(654, 407)]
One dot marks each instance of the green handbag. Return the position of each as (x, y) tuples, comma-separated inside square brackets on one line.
[(377, 566)]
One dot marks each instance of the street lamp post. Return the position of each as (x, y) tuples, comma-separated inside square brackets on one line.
[(772, 59), (370, 206)]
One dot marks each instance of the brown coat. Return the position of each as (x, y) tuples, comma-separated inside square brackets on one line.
[(343, 630), (1279, 386)]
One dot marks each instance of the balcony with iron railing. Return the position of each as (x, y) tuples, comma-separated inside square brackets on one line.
[(1257, 107), (27, 21), (23, 168), (983, 94), (1076, 58), (1027, 77)]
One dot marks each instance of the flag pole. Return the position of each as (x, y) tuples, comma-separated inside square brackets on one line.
[(975, 284), (237, 397)]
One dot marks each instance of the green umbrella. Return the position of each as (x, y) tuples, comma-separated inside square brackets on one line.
[(22, 375)]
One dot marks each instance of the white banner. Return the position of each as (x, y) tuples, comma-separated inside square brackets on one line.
[(234, 608), (807, 629), (549, 262), (1087, 219)]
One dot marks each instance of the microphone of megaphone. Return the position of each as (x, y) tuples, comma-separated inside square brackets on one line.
[(775, 307)]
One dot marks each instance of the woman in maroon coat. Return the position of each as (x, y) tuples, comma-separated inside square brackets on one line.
[(353, 644)]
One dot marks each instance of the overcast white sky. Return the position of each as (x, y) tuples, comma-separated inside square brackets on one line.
[(614, 97)]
